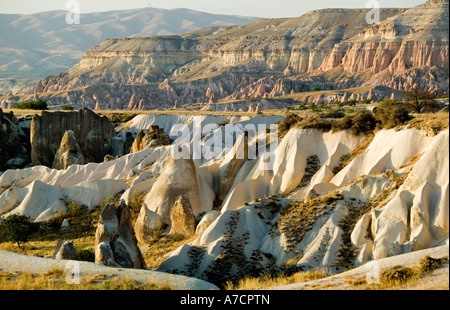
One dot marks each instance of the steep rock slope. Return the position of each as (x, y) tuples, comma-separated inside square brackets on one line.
[(397, 206), (299, 214), (12, 147), (93, 133)]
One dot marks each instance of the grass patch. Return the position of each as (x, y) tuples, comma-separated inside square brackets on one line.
[(431, 123), (300, 216), (160, 244), (56, 280), (271, 281), (397, 275), (428, 264)]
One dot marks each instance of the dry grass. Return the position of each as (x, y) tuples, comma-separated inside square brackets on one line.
[(431, 123), (300, 216), (45, 248), (56, 280), (160, 245), (270, 281), (402, 277)]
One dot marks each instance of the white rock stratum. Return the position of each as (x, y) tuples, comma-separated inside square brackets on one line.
[(392, 198)]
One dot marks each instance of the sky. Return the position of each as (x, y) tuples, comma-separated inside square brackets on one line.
[(257, 8)]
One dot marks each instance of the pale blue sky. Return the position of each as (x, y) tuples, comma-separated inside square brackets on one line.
[(259, 8)]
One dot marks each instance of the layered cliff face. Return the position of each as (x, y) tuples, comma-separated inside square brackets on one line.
[(13, 153), (330, 48), (92, 132)]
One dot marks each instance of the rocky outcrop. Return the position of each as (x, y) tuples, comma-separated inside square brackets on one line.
[(65, 250), (233, 161), (92, 132), (69, 153), (115, 241), (391, 199), (178, 178), (182, 218), (13, 153), (153, 138)]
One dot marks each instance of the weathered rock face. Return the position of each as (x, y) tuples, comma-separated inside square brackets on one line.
[(115, 241), (153, 138), (93, 133), (65, 250), (231, 165), (182, 218), (178, 178), (69, 153), (12, 152)]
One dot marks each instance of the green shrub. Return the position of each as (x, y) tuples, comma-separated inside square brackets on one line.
[(18, 228), (67, 108), (334, 113), (360, 122), (29, 105), (316, 123), (87, 255), (391, 113)]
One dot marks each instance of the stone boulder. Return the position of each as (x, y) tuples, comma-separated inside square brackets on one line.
[(65, 250), (153, 138), (115, 241), (178, 178), (182, 218), (69, 152), (92, 132), (13, 153), (146, 223)]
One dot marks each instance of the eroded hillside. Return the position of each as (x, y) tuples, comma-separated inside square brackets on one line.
[(325, 49)]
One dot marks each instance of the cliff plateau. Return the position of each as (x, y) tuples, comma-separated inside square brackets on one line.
[(325, 49)]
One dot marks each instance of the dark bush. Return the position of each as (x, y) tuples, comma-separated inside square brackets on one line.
[(420, 99), (397, 274), (360, 122), (428, 264), (289, 122), (391, 113), (335, 113), (29, 105), (87, 255), (316, 123), (18, 228)]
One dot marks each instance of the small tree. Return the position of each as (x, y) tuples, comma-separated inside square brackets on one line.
[(18, 228), (420, 99), (391, 113)]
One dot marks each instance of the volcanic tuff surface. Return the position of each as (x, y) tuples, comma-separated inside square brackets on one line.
[(326, 49), (308, 210)]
